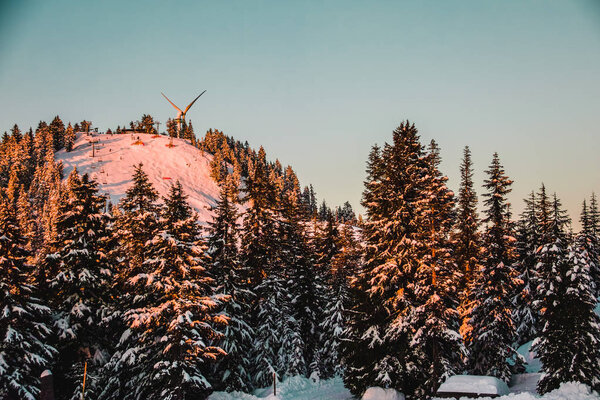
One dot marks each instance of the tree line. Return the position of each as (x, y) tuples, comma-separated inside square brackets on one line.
[(160, 307)]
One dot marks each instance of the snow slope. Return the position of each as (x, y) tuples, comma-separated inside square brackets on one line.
[(116, 156)]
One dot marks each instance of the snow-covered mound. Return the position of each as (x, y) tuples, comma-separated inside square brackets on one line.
[(116, 155), (567, 391), (377, 393), (473, 385)]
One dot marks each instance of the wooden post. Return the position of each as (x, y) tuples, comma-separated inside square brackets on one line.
[(84, 376), (274, 384), (47, 386)]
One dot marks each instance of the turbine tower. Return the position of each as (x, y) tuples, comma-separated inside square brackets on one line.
[(181, 114)]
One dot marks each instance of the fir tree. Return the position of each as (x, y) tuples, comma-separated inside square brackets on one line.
[(466, 238), (138, 222), (435, 343), (594, 216), (69, 138), (344, 262), (407, 275), (15, 132), (569, 328), (57, 132), (493, 331), (589, 239), (80, 286), (24, 328), (525, 317), (304, 288), (165, 348), (234, 370)]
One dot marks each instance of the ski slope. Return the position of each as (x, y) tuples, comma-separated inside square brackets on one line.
[(116, 155)]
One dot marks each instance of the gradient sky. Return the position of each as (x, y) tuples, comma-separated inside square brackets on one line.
[(317, 83)]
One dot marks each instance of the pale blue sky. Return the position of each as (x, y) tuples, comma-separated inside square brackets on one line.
[(318, 82)]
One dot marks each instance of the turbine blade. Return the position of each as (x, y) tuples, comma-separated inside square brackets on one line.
[(188, 107), (177, 108)]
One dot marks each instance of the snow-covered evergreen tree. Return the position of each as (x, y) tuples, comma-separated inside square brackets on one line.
[(433, 318), (259, 253), (492, 334), (233, 372), (325, 246), (80, 284), (590, 240), (343, 264), (525, 316), (69, 138), (466, 238), (24, 321), (167, 341), (137, 222), (407, 316), (303, 289), (570, 329)]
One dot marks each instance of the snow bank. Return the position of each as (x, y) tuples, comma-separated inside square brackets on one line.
[(294, 388), (377, 393), (567, 391), (474, 384), (524, 382)]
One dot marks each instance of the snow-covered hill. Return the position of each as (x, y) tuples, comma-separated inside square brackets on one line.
[(116, 155)]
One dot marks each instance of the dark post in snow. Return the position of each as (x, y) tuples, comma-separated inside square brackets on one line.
[(47, 386), (274, 384)]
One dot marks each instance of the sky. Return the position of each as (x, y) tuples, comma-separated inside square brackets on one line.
[(317, 83)]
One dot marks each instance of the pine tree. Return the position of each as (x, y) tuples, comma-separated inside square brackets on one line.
[(493, 332), (138, 222), (57, 132), (24, 328), (234, 370), (466, 238), (166, 348), (258, 255), (81, 285), (343, 263), (305, 289), (589, 239), (15, 132), (69, 138), (147, 124), (569, 328), (525, 317), (436, 346), (410, 212), (594, 219)]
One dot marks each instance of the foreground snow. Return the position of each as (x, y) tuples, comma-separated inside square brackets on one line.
[(295, 388), (299, 388), (483, 385), (568, 391)]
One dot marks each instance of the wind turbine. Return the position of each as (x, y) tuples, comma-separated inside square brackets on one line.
[(181, 114)]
